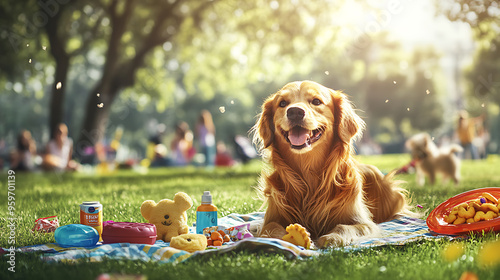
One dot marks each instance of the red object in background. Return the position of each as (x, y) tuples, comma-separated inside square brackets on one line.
[(46, 224), (223, 159), (126, 232), (436, 220)]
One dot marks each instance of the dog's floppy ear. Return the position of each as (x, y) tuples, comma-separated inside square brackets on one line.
[(264, 130), (347, 123)]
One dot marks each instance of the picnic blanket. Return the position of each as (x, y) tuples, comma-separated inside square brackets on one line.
[(395, 232)]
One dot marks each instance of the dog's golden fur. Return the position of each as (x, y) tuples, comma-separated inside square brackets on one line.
[(305, 132)]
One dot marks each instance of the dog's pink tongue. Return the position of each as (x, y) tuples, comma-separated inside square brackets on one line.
[(298, 136)]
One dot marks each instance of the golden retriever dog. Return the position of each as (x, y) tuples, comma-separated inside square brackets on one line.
[(431, 160), (305, 132)]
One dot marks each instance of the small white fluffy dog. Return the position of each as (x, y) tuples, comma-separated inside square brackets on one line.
[(429, 159)]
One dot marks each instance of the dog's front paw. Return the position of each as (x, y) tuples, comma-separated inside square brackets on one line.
[(343, 235), (332, 240), (273, 230)]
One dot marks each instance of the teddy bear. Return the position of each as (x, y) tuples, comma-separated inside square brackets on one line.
[(169, 217)]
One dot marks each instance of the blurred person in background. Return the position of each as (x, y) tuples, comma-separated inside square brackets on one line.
[(223, 157), (23, 159), (59, 151), (466, 132), (205, 133), (182, 145)]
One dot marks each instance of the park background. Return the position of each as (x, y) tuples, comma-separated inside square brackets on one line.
[(102, 66), (108, 66)]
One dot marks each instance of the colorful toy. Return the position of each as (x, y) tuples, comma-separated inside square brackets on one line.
[(76, 235), (169, 217), (189, 242), (216, 235), (298, 235), (239, 232), (47, 224), (125, 232), (235, 233)]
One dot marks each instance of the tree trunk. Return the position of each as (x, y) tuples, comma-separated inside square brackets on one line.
[(95, 120), (58, 93), (117, 75), (62, 60)]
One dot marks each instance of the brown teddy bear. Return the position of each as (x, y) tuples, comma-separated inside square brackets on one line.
[(169, 217)]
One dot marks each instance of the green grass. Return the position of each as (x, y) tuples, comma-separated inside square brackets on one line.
[(121, 193)]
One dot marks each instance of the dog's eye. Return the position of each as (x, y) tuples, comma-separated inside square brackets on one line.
[(316, 102), (283, 103), (166, 217)]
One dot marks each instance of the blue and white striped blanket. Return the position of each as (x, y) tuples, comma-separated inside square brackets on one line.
[(395, 232)]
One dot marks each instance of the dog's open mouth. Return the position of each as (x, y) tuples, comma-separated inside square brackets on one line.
[(300, 138)]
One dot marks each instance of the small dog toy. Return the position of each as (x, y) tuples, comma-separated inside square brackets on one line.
[(298, 235), (239, 232), (189, 242), (76, 235), (47, 224), (169, 217)]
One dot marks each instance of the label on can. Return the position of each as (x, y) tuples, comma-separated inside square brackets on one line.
[(204, 220), (91, 215)]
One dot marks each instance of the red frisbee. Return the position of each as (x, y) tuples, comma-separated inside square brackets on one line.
[(436, 220)]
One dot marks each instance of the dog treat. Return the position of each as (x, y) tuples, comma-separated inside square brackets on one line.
[(484, 208), (476, 205), (490, 197), (489, 207), (450, 218), (216, 235), (469, 213), (481, 216), (459, 220)]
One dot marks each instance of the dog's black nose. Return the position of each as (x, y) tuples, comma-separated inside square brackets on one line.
[(295, 114)]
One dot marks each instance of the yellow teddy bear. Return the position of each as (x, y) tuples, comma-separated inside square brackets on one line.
[(169, 217)]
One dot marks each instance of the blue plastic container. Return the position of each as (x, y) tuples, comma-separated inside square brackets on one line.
[(76, 235)]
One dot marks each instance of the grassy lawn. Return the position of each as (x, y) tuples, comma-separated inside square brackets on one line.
[(121, 193)]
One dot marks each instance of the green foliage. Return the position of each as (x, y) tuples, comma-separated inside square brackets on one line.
[(208, 56), (483, 86)]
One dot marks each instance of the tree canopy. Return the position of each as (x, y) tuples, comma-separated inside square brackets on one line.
[(101, 64)]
